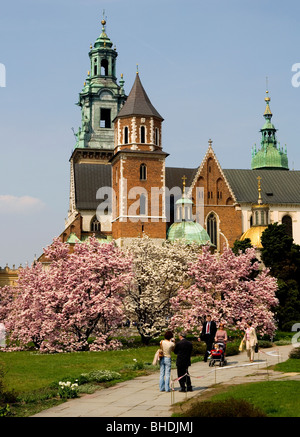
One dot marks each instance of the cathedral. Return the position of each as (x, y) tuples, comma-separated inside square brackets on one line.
[(122, 189)]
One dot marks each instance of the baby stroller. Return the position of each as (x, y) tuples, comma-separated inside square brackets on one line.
[(217, 354)]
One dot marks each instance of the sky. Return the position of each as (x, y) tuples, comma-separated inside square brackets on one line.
[(203, 65)]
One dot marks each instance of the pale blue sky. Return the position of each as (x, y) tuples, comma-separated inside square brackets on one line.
[(203, 65)]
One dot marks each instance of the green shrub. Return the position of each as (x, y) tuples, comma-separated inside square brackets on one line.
[(5, 411), (265, 344), (199, 348), (227, 408), (295, 353), (232, 348)]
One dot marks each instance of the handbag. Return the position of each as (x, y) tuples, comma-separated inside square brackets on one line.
[(156, 358), (242, 345), (256, 348)]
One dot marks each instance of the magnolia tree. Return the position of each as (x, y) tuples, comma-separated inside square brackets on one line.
[(80, 295), (226, 287), (159, 271)]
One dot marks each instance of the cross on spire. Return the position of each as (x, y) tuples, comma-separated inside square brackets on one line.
[(259, 190), (183, 183)]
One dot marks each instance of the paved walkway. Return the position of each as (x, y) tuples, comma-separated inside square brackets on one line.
[(141, 397)]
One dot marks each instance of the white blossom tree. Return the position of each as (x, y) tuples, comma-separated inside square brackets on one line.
[(159, 271)]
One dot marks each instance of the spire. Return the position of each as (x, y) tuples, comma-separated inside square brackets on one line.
[(269, 155), (268, 113), (138, 102), (183, 184), (259, 191)]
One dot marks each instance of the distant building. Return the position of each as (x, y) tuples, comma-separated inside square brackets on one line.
[(8, 276), (118, 164)]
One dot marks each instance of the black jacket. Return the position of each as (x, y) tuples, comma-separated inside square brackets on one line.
[(213, 330), (183, 350)]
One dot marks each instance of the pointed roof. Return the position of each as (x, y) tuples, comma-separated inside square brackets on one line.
[(138, 103)]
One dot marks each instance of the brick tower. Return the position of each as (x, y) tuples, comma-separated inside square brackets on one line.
[(138, 170)]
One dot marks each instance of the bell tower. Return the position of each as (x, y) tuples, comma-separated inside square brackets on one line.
[(138, 170), (100, 100), (101, 97)]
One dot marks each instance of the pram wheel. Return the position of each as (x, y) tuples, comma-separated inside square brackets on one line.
[(211, 363)]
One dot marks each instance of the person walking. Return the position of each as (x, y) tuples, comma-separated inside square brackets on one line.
[(208, 333), (250, 339), (167, 346), (183, 350)]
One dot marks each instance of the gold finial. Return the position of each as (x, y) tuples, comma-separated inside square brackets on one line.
[(137, 68), (210, 142), (103, 22), (121, 75), (259, 191), (89, 73), (183, 184), (91, 46), (267, 99)]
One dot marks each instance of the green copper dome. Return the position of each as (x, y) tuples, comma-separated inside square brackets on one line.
[(103, 41), (188, 231), (269, 156)]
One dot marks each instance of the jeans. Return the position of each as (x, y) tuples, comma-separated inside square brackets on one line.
[(165, 374)]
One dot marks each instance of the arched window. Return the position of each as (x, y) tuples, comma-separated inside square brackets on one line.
[(212, 228), (143, 172), (143, 204), (287, 221), (143, 134), (126, 135), (95, 225), (104, 67), (95, 67)]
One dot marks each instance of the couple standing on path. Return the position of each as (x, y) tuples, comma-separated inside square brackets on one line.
[(183, 350)]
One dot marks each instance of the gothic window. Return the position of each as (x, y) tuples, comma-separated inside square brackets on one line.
[(287, 221), (143, 205), (95, 225), (105, 118), (126, 135), (143, 172), (143, 136), (212, 228), (104, 67)]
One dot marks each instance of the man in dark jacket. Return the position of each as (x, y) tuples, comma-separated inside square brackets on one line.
[(208, 335), (183, 350)]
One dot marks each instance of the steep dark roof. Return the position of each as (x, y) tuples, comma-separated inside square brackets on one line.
[(88, 179), (174, 176), (278, 186), (138, 103)]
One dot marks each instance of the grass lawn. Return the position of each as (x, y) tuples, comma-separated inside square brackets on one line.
[(275, 398), (28, 371)]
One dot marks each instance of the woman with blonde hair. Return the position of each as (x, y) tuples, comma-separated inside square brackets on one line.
[(250, 339)]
